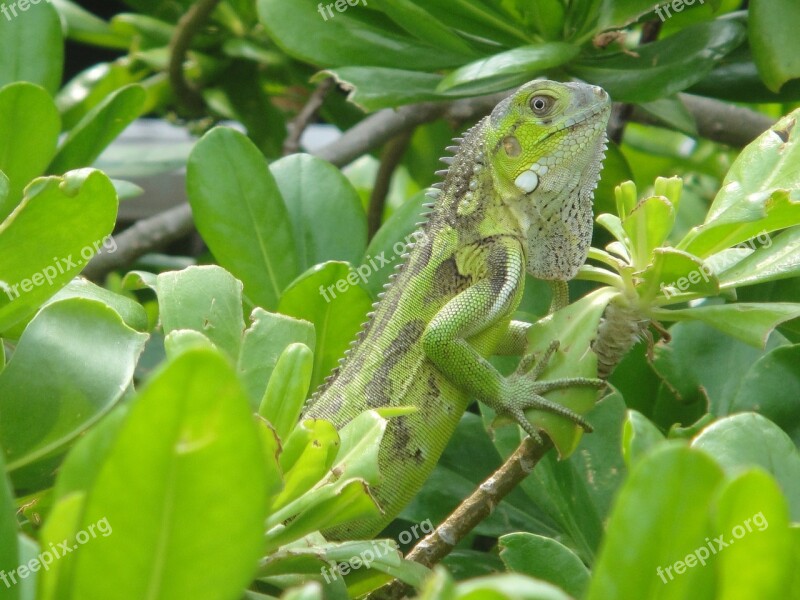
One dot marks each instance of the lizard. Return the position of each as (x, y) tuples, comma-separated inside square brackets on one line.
[(517, 196)]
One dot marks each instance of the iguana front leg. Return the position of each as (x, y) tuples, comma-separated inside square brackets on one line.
[(484, 305)]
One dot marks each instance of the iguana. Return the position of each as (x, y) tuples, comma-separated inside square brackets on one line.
[(517, 197)]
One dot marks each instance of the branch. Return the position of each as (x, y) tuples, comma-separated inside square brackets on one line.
[(188, 26), (144, 236), (471, 511), (298, 125), (390, 157), (718, 121)]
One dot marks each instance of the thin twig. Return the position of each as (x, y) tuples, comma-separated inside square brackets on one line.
[(390, 157), (298, 125), (189, 24), (479, 505)]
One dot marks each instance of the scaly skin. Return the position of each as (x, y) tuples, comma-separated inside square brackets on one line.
[(517, 197)]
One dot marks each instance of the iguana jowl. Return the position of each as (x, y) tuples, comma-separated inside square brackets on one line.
[(517, 197)]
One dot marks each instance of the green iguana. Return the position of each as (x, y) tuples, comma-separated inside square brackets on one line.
[(517, 197)]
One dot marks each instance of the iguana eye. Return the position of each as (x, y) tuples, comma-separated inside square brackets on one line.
[(541, 105)]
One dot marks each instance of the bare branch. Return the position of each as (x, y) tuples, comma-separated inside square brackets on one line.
[(479, 505), (298, 125), (390, 157)]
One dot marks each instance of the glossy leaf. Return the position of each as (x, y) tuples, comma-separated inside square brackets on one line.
[(31, 45), (525, 61), (49, 238), (328, 296), (639, 436), (760, 193), (772, 25), (544, 558), (753, 514), (88, 354), (207, 299), (29, 127), (287, 389), (673, 484), (665, 67), (771, 387), (751, 323), (98, 129), (771, 259), (238, 209), (9, 555), (313, 36), (746, 440), (322, 206), (268, 335), (373, 88), (167, 514)]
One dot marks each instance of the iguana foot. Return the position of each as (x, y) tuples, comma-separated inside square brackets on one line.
[(524, 392)]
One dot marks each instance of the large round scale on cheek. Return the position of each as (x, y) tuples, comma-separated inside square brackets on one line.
[(511, 146)]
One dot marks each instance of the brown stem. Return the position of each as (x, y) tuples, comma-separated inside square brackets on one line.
[(390, 157), (309, 112), (189, 24), (471, 511)]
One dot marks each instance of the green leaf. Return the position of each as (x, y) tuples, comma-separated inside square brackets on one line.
[(771, 387), (373, 88), (665, 67), (760, 193), (759, 564), (360, 444), (676, 275), (525, 61), (287, 389), (309, 453), (749, 322), (673, 484), (167, 515), (89, 88), (575, 327), (772, 25), (508, 585), (422, 25), (268, 335), (238, 210), (206, 299), (83, 26), (29, 127), (639, 437), (322, 204), (672, 112), (310, 34), (328, 296), (771, 260), (51, 235), (9, 556), (749, 440), (544, 558), (98, 128), (31, 45), (615, 13), (88, 354), (131, 311), (647, 226)]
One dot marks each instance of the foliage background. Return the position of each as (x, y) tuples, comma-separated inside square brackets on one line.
[(131, 395)]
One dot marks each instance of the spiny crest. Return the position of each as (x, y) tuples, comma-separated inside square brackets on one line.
[(434, 193)]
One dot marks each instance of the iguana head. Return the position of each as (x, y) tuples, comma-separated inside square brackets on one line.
[(546, 145)]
